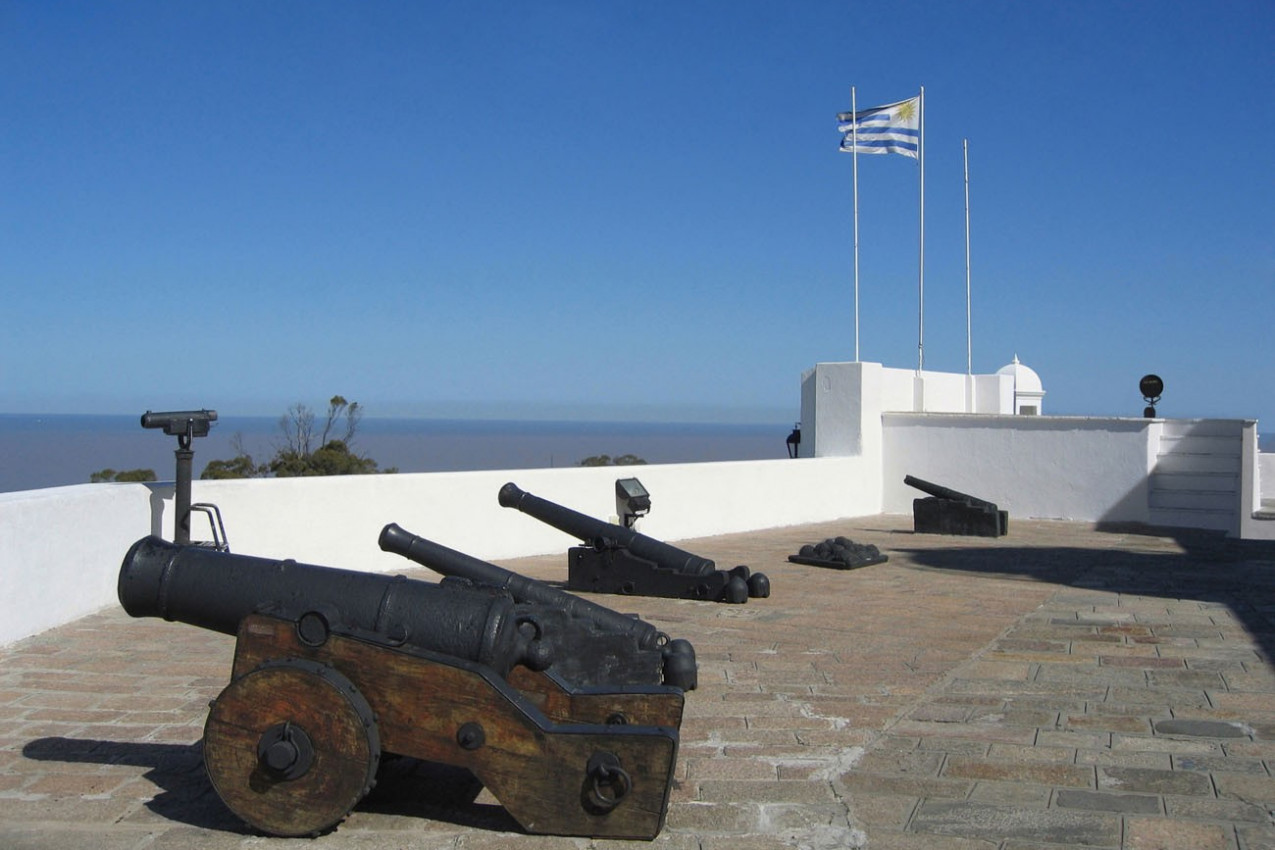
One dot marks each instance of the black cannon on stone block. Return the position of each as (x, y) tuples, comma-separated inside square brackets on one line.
[(333, 668), (620, 560), (948, 511)]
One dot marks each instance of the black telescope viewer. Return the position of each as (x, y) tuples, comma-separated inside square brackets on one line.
[(185, 425), (620, 560)]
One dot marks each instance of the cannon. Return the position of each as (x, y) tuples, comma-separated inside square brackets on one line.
[(948, 511), (620, 560), (334, 668), (625, 649)]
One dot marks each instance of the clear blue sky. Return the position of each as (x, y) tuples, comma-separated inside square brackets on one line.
[(626, 209)]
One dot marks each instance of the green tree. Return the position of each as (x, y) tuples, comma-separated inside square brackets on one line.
[(607, 460), (332, 458), (240, 466), (308, 449), (110, 475)]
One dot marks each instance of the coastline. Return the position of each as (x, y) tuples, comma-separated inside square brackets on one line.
[(53, 450), (60, 449)]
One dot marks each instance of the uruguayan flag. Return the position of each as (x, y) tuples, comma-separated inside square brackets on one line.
[(895, 128)]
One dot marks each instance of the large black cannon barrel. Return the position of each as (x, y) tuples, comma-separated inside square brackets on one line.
[(595, 531), (941, 492), (216, 590), (394, 538)]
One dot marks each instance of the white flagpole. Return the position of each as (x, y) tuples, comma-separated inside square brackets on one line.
[(920, 344), (969, 338), (854, 148)]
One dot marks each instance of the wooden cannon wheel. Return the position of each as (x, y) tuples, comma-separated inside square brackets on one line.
[(291, 747)]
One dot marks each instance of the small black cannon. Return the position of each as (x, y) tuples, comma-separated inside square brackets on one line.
[(617, 647), (948, 511), (621, 560), (334, 667)]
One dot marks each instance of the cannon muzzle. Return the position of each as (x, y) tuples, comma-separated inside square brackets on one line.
[(216, 590)]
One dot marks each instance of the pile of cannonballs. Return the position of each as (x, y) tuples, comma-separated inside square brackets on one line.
[(842, 551)]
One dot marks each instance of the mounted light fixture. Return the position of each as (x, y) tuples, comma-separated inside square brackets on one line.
[(631, 501), (1151, 388)]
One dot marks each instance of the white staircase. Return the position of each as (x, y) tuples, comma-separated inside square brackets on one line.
[(1196, 479)]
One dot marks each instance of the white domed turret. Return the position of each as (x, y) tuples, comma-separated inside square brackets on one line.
[(1028, 391)]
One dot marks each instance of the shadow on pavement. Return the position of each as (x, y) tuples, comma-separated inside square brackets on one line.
[(1207, 568), (404, 786), (185, 796)]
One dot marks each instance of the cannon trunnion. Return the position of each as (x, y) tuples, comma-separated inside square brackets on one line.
[(334, 668), (620, 560)]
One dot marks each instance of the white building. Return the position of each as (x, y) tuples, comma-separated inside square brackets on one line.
[(1028, 392)]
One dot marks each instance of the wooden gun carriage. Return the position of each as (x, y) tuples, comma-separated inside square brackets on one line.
[(333, 668)]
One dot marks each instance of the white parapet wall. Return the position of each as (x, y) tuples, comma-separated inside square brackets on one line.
[(60, 551), (864, 427), (336, 520), (962, 432), (1041, 467), (61, 548), (1257, 487)]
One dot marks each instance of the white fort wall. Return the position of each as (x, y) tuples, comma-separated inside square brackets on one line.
[(61, 548), (56, 551), (1039, 467), (960, 431), (1266, 476), (863, 428), (336, 520)]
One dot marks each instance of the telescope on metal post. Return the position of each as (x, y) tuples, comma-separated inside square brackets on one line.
[(185, 425)]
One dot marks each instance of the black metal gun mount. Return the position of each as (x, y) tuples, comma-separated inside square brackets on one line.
[(620, 560), (334, 667), (948, 511), (185, 425)]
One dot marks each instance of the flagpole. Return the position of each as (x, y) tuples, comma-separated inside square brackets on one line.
[(854, 147), (969, 339), (920, 344)]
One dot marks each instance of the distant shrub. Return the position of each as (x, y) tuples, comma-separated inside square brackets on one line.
[(298, 458), (607, 460), (107, 476)]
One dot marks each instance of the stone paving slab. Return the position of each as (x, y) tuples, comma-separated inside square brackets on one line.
[(1063, 686)]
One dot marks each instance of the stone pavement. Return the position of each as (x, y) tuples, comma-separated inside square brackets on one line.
[(1063, 686)]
